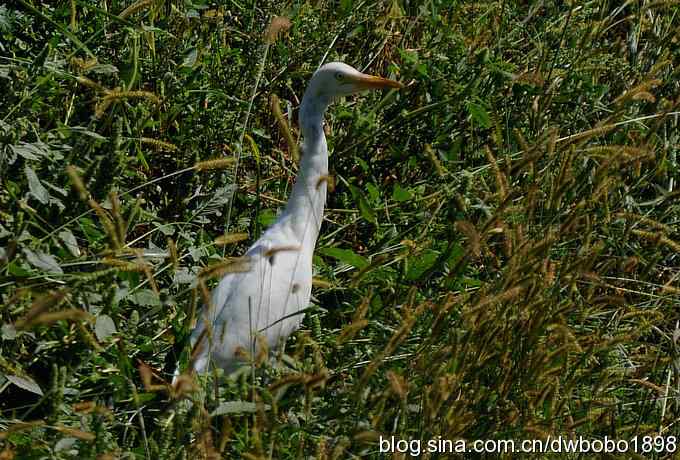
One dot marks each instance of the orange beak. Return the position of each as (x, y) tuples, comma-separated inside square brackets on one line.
[(372, 82)]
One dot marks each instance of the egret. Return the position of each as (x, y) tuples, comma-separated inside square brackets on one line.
[(263, 305)]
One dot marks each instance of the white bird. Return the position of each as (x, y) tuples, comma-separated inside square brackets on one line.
[(266, 302)]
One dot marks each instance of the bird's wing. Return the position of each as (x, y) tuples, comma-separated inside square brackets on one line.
[(260, 303)]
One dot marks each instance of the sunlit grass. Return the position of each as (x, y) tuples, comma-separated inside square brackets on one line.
[(499, 257)]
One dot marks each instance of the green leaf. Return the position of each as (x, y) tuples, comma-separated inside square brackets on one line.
[(105, 69), (471, 282), (236, 407), (346, 5), (5, 19), (420, 264), (365, 209), (31, 151), (479, 115), (90, 230), (401, 194), (104, 327), (373, 192), (84, 131), (39, 60), (65, 445), (43, 261), (144, 398), (69, 240), (17, 270), (346, 256), (165, 229), (184, 276), (190, 57), (266, 217), (35, 186), (145, 297), (26, 383), (9, 332), (364, 166)]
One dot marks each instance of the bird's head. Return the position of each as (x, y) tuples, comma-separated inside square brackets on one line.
[(339, 79)]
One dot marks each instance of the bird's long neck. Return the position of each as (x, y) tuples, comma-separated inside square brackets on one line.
[(306, 203)]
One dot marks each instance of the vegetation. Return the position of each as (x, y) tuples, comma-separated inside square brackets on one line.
[(499, 260)]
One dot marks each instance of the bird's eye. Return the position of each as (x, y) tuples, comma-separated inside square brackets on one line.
[(339, 76)]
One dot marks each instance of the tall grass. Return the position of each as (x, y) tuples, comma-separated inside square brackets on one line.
[(499, 257)]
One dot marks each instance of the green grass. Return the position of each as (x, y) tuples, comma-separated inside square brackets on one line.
[(499, 259)]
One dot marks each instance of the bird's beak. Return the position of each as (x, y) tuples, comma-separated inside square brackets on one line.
[(364, 81)]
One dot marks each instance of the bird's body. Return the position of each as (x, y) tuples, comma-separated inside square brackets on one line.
[(266, 301)]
